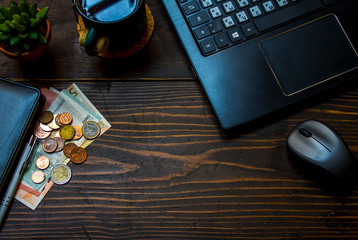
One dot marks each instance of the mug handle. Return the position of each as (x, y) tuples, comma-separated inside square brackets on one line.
[(90, 42)]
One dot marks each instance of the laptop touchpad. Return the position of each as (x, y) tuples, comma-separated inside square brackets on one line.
[(309, 54)]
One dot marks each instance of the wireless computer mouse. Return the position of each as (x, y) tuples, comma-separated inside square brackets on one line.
[(318, 144)]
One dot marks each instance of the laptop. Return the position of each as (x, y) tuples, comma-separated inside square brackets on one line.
[(255, 57)]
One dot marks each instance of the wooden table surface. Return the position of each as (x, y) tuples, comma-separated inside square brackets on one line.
[(165, 170)]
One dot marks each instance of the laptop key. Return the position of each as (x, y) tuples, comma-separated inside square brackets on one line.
[(191, 7), (228, 7), (207, 3), (242, 16), (198, 19), (228, 22), (287, 14), (243, 3), (215, 12), (222, 40), (202, 32), (235, 35), (215, 27), (268, 6), (282, 3), (255, 11), (249, 29), (208, 45)]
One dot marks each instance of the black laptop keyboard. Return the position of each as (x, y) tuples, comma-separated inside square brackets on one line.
[(220, 24)]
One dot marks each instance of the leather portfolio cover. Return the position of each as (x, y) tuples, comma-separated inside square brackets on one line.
[(19, 104)]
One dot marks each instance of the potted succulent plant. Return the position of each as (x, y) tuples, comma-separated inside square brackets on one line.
[(25, 30)]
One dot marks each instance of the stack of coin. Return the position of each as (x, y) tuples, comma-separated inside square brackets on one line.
[(59, 126)]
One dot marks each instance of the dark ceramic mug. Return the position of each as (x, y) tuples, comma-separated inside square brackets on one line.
[(122, 21)]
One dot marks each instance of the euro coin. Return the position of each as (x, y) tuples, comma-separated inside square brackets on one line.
[(78, 155), (40, 133), (38, 176), (49, 145), (61, 174), (45, 127), (68, 148), (57, 134), (65, 118), (67, 132), (78, 132), (53, 125), (57, 120), (60, 144), (42, 162), (46, 117), (91, 130)]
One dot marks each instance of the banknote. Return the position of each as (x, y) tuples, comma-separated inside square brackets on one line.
[(56, 101), (75, 91), (80, 114), (29, 196)]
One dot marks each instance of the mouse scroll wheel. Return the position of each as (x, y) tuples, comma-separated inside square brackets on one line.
[(305, 132)]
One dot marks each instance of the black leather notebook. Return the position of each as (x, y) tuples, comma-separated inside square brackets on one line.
[(19, 106)]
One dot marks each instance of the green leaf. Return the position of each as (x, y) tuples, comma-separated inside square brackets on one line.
[(33, 10), (27, 46), (5, 36), (33, 22), (4, 28), (25, 18), (23, 35), (24, 7), (17, 18), (42, 13), (10, 24), (6, 13), (14, 9), (33, 35), (42, 39), (14, 40), (20, 28)]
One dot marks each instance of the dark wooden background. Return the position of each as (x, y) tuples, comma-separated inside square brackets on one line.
[(165, 170)]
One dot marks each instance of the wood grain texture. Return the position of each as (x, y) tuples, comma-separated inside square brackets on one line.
[(165, 170)]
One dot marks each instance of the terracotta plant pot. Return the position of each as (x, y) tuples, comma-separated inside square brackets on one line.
[(34, 54)]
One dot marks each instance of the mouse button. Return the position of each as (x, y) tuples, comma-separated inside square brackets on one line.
[(308, 148), (326, 136), (305, 132)]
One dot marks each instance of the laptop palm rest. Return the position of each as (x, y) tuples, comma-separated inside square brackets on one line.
[(310, 54)]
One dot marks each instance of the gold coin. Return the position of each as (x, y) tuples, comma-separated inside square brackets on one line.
[(91, 130), (60, 144), (67, 132), (40, 133), (53, 125), (49, 145), (65, 118), (46, 117), (78, 132), (78, 155), (42, 162), (38, 177), (68, 148)]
